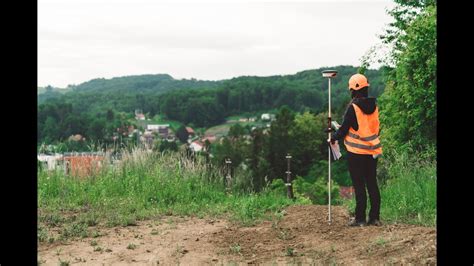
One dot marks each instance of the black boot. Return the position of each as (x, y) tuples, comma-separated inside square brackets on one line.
[(375, 222), (357, 223)]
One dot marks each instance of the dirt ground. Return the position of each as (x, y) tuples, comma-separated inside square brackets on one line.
[(301, 236)]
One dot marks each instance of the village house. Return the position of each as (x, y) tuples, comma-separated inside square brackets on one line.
[(265, 117), (82, 164), (196, 146), (190, 131), (50, 162), (140, 116), (162, 129)]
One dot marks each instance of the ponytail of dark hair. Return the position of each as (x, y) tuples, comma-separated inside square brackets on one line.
[(364, 92)]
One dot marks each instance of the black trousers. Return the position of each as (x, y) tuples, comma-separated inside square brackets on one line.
[(363, 171)]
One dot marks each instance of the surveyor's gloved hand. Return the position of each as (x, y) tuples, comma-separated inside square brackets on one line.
[(332, 140)]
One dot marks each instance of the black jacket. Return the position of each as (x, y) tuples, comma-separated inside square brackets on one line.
[(367, 105)]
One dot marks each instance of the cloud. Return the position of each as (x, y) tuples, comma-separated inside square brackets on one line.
[(79, 40)]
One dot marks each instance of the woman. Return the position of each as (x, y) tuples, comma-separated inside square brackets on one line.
[(360, 132)]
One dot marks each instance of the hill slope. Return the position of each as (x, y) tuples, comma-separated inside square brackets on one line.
[(156, 83), (301, 236)]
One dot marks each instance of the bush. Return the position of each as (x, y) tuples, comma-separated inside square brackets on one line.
[(278, 186), (339, 171), (316, 191), (407, 188)]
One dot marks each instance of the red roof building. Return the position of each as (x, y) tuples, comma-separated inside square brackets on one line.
[(190, 130), (83, 164)]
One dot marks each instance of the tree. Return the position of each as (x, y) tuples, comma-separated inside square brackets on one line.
[(280, 142), (97, 129), (408, 105), (182, 134), (236, 131), (258, 163), (168, 145), (110, 115), (308, 137), (50, 130), (234, 150)]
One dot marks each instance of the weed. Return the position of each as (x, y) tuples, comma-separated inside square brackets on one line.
[(380, 241), (42, 234), (52, 220), (284, 235), (290, 252), (93, 243), (96, 234), (91, 219), (97, 248), (131, 246), (63, 263), (235, 248), (74, 230)]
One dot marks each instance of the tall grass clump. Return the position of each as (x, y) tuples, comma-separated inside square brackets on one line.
[(407, 182), (145, 184)]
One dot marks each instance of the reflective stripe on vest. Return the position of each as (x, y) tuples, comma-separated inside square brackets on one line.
[(352, 135), (362, 146), (365, 140)]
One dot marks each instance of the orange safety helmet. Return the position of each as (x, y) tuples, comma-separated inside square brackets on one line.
[(358, 81)]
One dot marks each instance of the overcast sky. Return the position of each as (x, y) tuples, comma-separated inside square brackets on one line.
[(79, 40)]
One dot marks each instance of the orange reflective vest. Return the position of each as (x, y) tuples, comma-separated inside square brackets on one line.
[(366, 139)]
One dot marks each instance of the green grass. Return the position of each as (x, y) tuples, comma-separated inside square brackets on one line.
[(235, 248), (220, 130), (223, 129), (161, 120), (63, 263), (408, 194), (144, 186)]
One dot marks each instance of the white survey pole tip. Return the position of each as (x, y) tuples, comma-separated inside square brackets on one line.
[(329, 73)]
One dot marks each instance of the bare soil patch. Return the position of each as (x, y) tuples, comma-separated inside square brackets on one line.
[(301, 236)]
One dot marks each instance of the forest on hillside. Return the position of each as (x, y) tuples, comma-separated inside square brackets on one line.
[(97, 107)]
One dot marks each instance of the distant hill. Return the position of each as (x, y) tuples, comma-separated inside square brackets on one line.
[(48, 92), (157, 83), (144, 83)]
